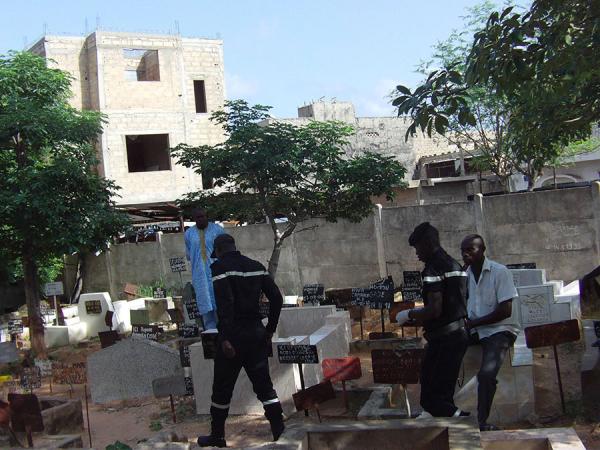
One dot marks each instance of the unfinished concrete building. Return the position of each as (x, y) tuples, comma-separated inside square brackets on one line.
[(156, 91)]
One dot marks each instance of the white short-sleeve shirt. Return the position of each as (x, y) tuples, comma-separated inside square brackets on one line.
[(495, 286)]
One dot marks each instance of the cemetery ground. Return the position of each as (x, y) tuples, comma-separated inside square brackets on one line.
[(136, 421)]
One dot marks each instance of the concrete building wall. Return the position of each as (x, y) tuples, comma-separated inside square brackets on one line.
[(558, 230), (382, 135), (98, 65)]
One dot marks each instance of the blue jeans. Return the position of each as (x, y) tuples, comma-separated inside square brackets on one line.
[(209, 320)]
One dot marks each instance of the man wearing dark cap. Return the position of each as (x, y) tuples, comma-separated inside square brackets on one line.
[(243, 339), (443, 318)]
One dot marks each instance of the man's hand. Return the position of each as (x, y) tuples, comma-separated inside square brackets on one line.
[(402, 317), (228, 349)]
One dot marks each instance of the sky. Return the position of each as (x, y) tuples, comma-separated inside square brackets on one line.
[(277, 52)]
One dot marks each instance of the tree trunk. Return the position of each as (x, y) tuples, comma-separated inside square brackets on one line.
[(32, 298), (274, 260)]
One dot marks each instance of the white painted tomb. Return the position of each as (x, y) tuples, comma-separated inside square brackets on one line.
[(322, 326)]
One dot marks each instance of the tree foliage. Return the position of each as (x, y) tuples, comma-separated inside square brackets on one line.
[(540, 65), (271, 169), (52, 200)]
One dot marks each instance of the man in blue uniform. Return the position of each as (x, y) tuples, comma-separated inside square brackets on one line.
[(443, 318), (243, 340), (198, 248)]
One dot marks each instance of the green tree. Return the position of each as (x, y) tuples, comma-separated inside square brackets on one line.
[(275, 169), (542, 64), (52, 201)]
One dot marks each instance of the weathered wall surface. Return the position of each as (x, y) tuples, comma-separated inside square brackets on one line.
[(558, 230)]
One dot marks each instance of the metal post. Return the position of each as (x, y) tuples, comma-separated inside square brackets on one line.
[(361, 323), (173, 409), (302, 383), (55, 310), (87, 413), (345, 394), (180, 280), (560, 388), (382, 322)]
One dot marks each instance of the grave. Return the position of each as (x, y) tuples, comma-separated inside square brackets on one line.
[(126, 369), (320, 326), (91, 311), (61, 416)]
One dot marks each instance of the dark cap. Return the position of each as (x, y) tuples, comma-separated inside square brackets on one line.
[(222, 239)]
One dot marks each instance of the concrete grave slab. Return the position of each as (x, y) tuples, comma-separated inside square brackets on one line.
[(539, 438), (126, 369)]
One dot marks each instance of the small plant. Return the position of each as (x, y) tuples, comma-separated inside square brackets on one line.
[(156, 425), (118, 446)]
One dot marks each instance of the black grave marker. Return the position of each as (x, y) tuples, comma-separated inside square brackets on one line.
[(412, 279), (31, 378), (93, 307), (522, 266), (189, 330), (378, 295), (15, 326), (147, 331), (297, 354), (313, 294), (397, 366), (209, 344)]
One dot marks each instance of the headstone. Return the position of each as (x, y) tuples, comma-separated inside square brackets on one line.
[(94, 321), (126, 370), (108, 338), (8, 352), (297, 354), (170, 385), (376, 296), (45, 366), (313, 294), (412, 279), (184, 355), (15, 326), (411, 295), (189, 330), (314, 396), (189, 303), (342, 369), (534, 304), (159, 292), (52, 289), (93, 307), (177, 264), (31, 378), (209, 343), (146, 331), (528, 277), (189, 385), (552, 334), (397, 366)]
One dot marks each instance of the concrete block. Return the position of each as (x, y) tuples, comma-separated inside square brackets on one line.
[(61, 415), (528, 277), (128, 368)]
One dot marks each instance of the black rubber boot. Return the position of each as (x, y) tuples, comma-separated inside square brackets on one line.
[(277, 427), (212, 441)]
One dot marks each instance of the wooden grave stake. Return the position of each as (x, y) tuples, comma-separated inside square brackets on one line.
[(172, 407), (551, 335), (87, 414)]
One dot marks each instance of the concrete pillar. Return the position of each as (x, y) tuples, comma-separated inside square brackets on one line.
[(379, 241), (595, 187)]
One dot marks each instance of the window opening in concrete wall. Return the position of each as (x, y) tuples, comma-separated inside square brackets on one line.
[(200, 96), (148, 152), (141, 64)]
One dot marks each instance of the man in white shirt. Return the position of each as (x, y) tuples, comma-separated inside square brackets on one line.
[(491, 290)]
